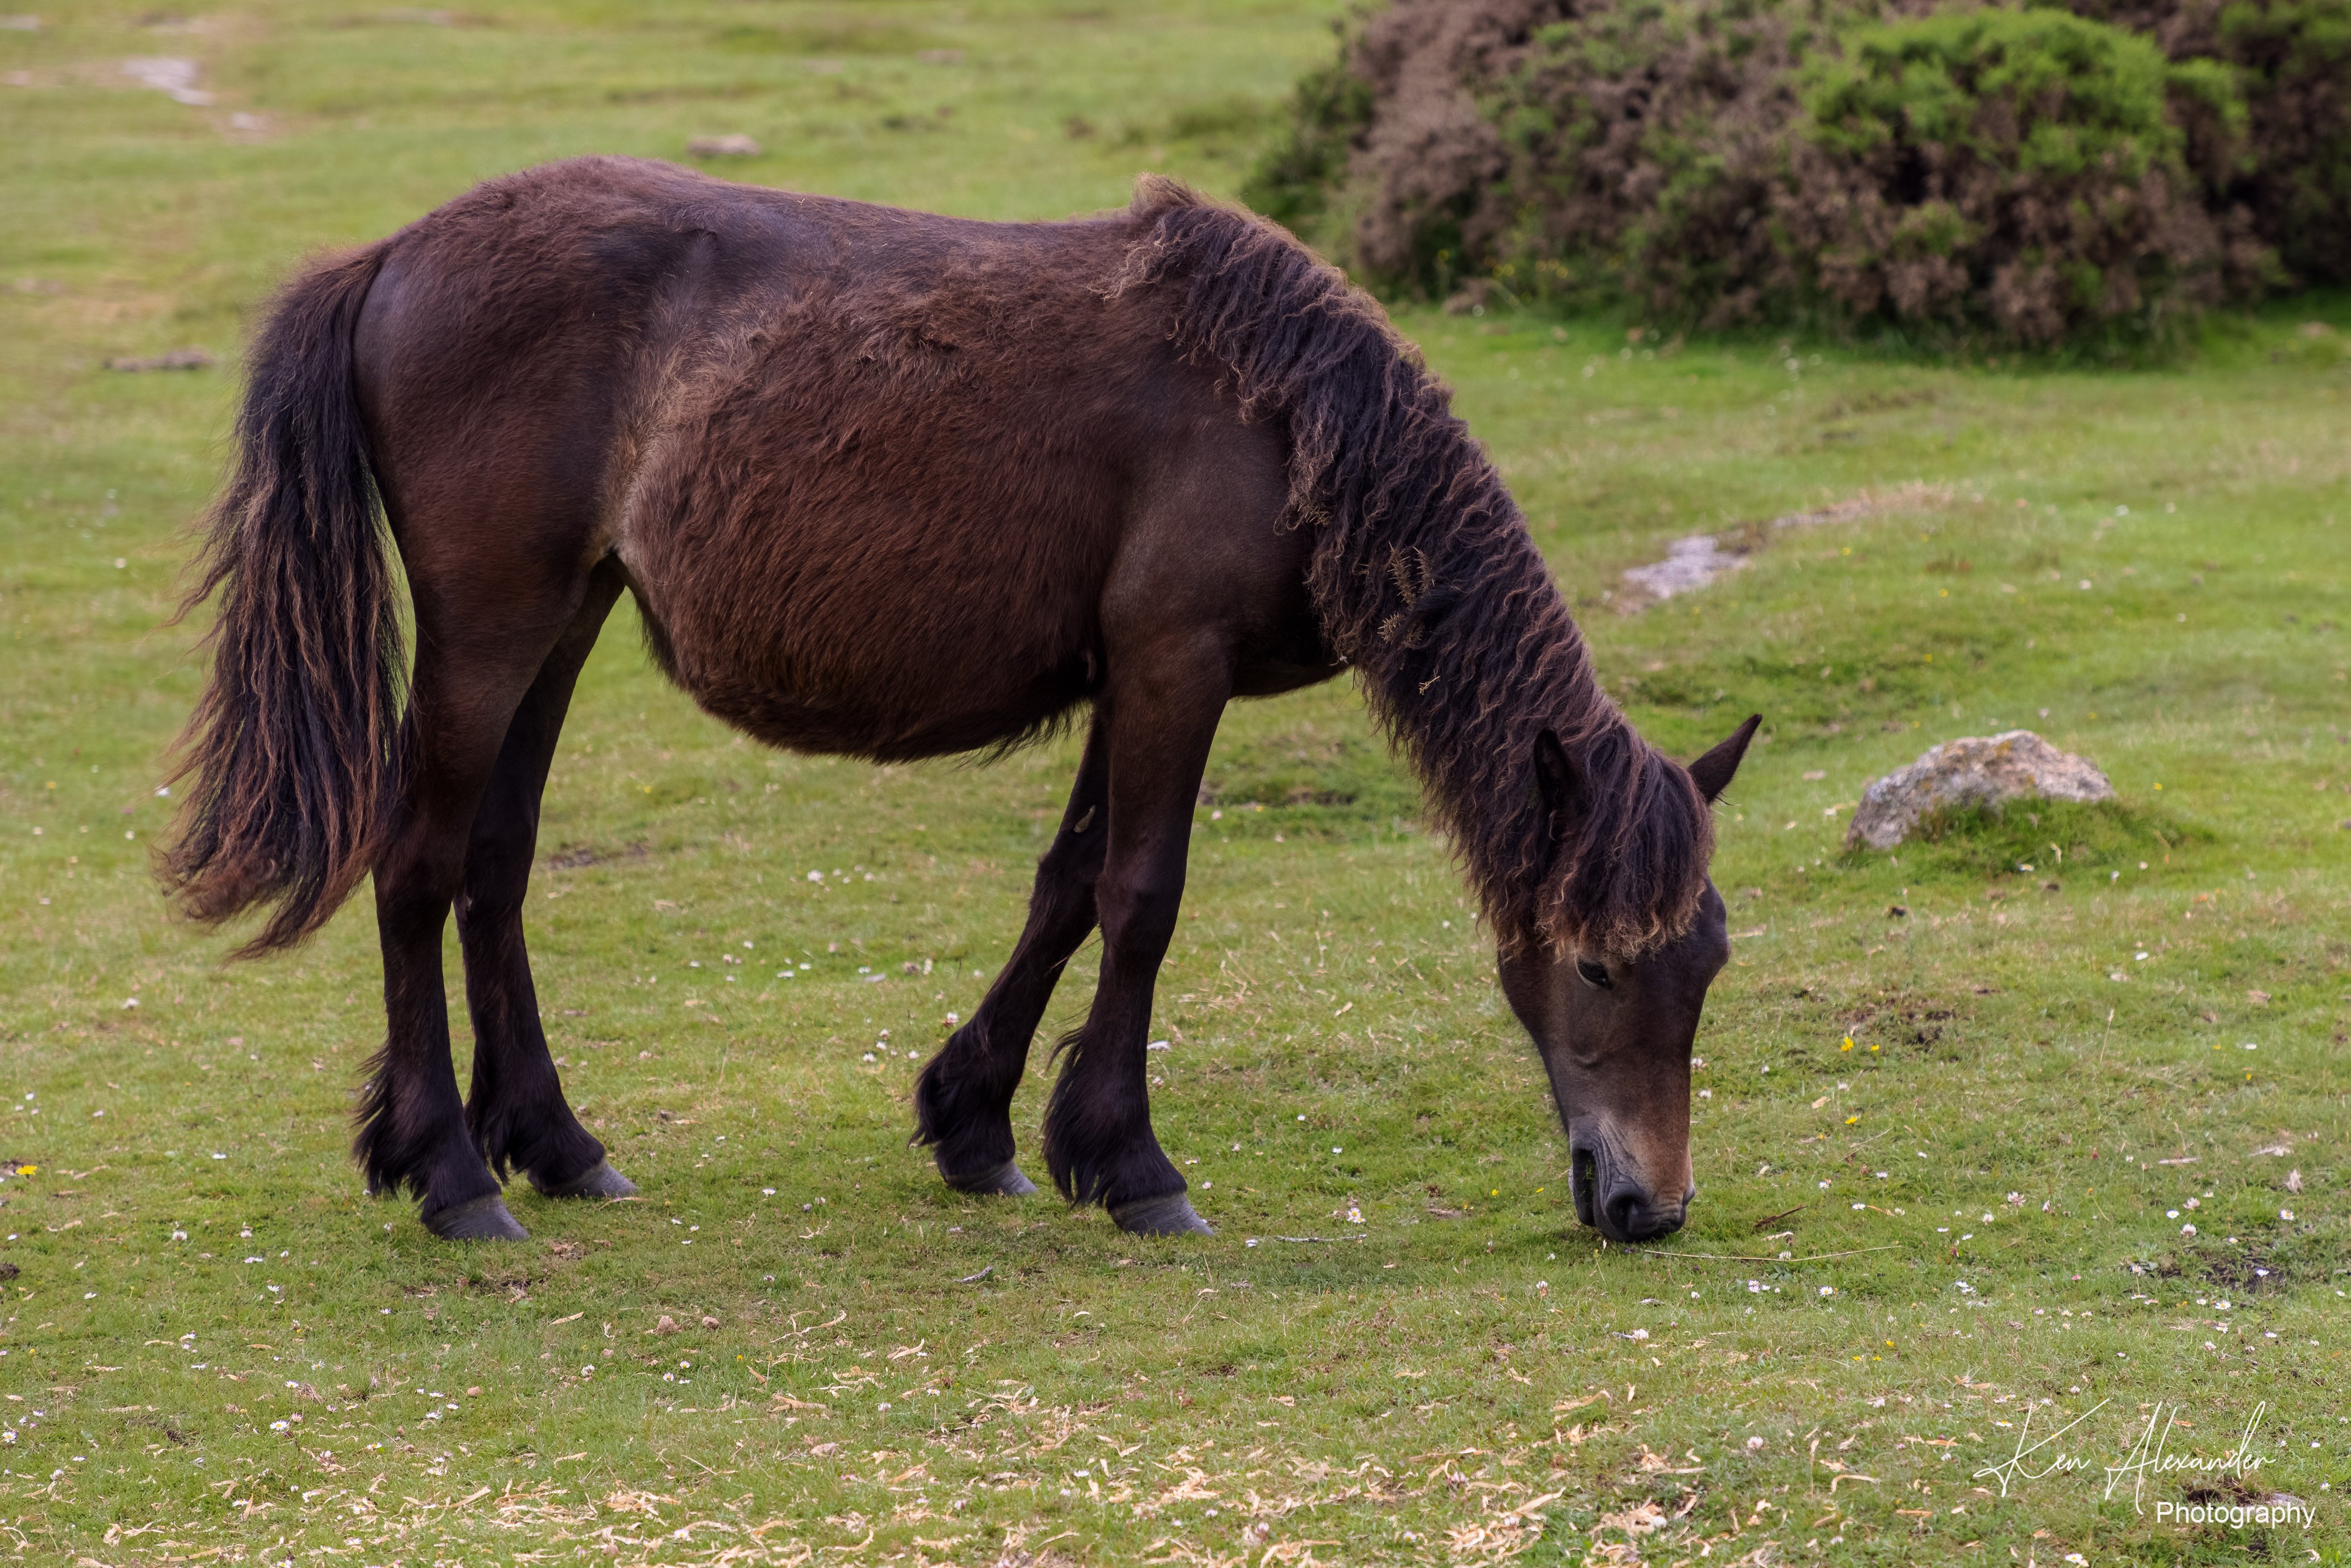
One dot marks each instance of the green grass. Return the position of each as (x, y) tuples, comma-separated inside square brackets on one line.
[(869, 1368)]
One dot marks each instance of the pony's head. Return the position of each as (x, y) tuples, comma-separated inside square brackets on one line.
[(1612, 992)]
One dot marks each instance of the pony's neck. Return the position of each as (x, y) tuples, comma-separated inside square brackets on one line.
[(1425, 578), (1467, 653)]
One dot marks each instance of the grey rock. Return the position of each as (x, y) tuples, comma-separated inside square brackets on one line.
[(1976, 770), (177, 359), (735, 145)]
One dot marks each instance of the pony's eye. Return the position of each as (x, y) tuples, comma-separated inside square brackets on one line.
[(1592, 974)]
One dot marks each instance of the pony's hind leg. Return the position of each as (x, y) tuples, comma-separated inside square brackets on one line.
[(1098, 1136), (517, 1111), (482, 635), (963, 1102)]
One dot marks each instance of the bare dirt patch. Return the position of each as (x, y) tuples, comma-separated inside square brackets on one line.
[(1700, 560)]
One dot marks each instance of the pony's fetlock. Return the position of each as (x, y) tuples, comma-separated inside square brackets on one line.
[(409, 1145), (965, 1116), (1099, 1155), (545, 1143)]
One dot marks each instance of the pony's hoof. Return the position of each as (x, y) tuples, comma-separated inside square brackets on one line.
[(1170, 1215), (1004, 1181), (599, 1180), (482, 1220)]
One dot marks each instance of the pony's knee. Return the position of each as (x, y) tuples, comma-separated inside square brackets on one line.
[(417, 875), (1075, 857), (488, 914), (1064, 890), (496, 879), (1139, 918)]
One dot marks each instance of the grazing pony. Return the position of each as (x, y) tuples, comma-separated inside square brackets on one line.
[(897, 486)]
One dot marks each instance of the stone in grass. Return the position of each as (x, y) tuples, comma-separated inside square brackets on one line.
[(1973, 770), (177, 359), (733, 145)]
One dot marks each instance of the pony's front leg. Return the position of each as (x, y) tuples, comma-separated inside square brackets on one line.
[(963, 1101), (1098, 1136)]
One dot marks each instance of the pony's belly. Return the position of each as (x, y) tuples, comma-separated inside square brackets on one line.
[(903, 736), (886, 689)]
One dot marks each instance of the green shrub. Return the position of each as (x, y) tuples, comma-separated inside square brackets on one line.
[(2290, 189), (2018, 172), (2293, 60), (2097, 171), (1643, 143)]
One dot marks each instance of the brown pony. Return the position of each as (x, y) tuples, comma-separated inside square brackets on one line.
[(898, 485)]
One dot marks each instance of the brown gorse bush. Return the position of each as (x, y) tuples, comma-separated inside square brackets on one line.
[(2023, 176)]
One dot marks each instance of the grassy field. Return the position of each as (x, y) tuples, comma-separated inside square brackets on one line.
[(1960, 1106)]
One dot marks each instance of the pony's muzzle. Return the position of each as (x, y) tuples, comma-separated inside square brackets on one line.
[(1630, 1213), (1611, 1199)]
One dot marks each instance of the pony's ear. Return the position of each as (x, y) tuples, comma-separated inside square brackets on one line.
[(1712, 772), (1559, 780)]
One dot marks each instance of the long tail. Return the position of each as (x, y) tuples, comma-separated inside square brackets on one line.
[(294, 746)]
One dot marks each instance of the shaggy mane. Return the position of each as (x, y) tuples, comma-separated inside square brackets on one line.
[(1428, 583)]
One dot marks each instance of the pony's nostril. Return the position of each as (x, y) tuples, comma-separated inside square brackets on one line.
[(1583, 1182), (1634, 1217)]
